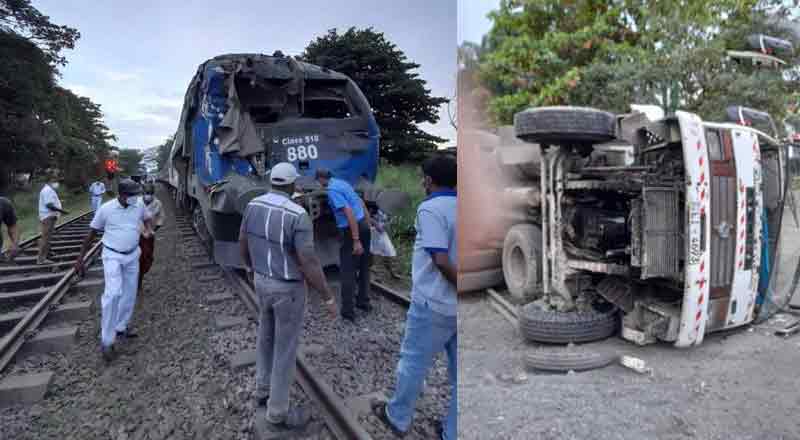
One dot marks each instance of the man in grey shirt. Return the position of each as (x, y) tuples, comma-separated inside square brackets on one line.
[(276, 241)]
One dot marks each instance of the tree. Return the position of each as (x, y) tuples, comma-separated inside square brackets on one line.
[(610, 54), (163, 152), (396, 93), (26, 83), (130, 161), (43, 125), (473, 96), (21, 18)]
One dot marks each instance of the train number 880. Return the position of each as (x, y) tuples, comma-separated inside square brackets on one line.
[(302, 152)]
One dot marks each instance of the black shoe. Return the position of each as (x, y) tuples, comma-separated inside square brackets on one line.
[(379, 411), (127, 334), (365, 307), (350, 318), (296, 419), (108, 352)]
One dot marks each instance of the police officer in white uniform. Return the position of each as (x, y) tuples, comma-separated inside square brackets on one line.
[(119, 220), (96, 191)]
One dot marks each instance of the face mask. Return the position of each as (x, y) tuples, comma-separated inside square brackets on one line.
[(148, 198), (55, 185)]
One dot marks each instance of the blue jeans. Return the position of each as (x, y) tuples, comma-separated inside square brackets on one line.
[(427, 333)]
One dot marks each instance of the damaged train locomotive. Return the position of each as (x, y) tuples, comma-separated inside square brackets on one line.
[(242, 114)]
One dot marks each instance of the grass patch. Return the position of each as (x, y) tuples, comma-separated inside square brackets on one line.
[(26, 203), (404, 178)]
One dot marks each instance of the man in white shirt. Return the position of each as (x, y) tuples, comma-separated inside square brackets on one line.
[(96, 191), (119, 220), (49, 210)]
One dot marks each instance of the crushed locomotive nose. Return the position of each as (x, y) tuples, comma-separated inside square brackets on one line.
[(245, 113)]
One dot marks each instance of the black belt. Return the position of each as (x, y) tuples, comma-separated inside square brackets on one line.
[(120, 252)]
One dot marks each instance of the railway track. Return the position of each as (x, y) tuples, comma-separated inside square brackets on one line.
[(35, 315), (339, 418)]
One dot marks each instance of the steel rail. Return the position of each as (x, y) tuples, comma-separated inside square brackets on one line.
[(391, 294), (338, 418), (13, 340), (36, 237)]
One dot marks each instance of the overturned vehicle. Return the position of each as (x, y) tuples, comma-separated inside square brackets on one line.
[(244, 113), (668, 241)]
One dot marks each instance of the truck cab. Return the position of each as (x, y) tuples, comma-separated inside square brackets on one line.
[(668, 244)]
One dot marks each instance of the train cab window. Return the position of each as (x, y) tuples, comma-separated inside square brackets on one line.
[(327, 99), (326, 108)]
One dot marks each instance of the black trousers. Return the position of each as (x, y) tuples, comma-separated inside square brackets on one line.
[(354, 269)]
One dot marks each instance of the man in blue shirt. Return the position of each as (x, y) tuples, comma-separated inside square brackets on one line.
[(431, 323), (352, 219)]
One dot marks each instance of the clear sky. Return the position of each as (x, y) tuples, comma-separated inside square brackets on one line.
[(136, 58), (472, 20)]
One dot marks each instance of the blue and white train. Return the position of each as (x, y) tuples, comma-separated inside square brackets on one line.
[(242, 114)]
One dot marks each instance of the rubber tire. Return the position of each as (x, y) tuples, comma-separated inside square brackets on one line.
[(527, 238), (553, 327), (481, 259), (569, 359), (564, 125), (474, 281)]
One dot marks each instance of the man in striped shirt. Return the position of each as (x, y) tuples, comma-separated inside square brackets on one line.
[(276, 242)]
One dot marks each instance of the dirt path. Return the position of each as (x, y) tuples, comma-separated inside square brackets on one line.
[(741, 385)]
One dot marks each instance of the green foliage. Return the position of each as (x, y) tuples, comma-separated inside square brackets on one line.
[(397, 94), (163, 152), (26, 83), (472, 95), (405, 178), (130, 162), (43, 125), (26, 205), (23, 19), (610, 54)]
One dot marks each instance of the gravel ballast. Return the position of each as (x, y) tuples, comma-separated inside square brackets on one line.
[(175, 380)]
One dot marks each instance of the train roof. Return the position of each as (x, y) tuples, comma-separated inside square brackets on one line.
[(272, 66), (277, 69)]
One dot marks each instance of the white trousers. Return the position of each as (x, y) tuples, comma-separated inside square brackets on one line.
[(96, 202), (119, 297)]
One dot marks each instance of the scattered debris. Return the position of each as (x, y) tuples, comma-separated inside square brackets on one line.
[(635, 364), (789, 329)]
